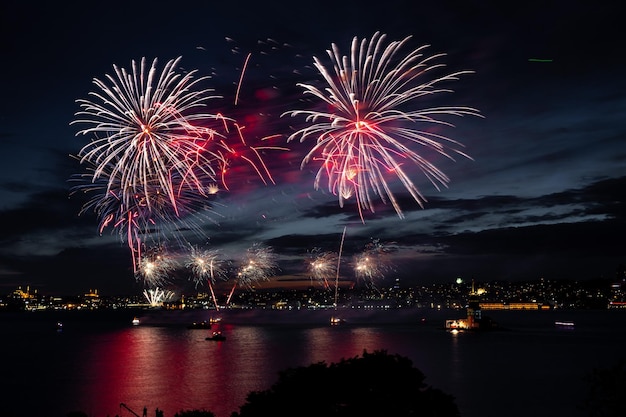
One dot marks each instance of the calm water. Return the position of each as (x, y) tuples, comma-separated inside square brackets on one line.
[(100, 360)]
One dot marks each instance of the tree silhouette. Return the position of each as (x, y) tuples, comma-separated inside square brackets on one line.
[(376, 384)]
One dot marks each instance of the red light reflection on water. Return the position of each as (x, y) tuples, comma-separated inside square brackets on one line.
[(331, 344), (173, 369)]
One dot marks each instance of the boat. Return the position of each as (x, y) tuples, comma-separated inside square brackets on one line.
[(200, 325), (564, 324), (334, 321), (215, 320), (217, 336), (59, 326), (135, 321)]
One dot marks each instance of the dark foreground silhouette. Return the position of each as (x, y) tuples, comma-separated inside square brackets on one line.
[(375, 384), (606, 389), (379, 384)]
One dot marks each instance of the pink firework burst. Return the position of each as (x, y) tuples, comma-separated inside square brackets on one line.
[(146, 129), (374, 124)]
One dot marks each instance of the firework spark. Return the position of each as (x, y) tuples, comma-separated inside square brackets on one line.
[(322, 266), (205, 266), (146, 132), (155, 267), (156, 296), (372, 264), (153, 165), (259, 264), (373, 123), (138, 223), (234, 152)]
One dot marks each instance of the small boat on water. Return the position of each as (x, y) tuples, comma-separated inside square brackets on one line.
[(334, 321), (564, 324), (59, 326), (217, 336), (200, 325), (135, 321)]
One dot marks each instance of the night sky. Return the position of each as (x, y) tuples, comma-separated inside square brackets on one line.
[(542, 196)]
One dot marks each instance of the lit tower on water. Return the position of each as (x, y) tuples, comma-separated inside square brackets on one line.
[(474, 313)]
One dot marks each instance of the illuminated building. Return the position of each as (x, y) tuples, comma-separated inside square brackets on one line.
[(474, 319), (514, 306)]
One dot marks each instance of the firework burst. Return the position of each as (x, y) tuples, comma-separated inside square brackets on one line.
[(205, 266), (373, 263), (259, 264), (322, 266), (156, 296), (147, 132), (155, 267), (374, 121)]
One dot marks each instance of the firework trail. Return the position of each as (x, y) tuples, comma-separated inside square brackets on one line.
[(205, 266), (321, 266), (374, 121), (259, 264), (243, 71), (234, 151), (343, 237)]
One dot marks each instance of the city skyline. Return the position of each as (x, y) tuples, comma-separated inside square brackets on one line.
[(540, 196)]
